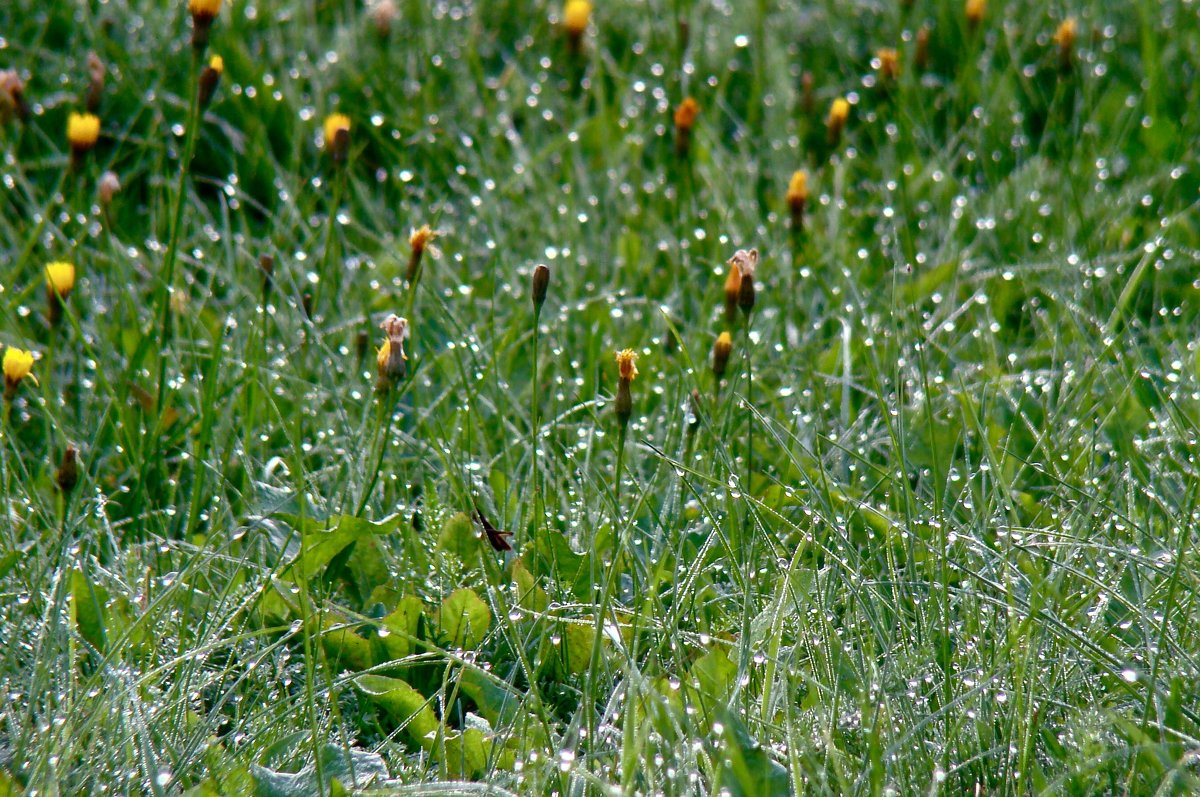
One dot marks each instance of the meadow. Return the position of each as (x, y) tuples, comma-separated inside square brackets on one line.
[(675, 397)]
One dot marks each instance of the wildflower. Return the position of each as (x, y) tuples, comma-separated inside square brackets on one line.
[(17, 365), (746, 261), (209, 77), (839, 112), (391, 361), (921, 58), (888, 64), (975, 9), (337, 136), (541, 283), (12, 94), (60, 281), (383, 14), (83, 131), (96, 72), (418, 241), (68, 471), (1065, 37), (576, 15), (720, 354), (108, 187), (797, 197), (203, 13), (685, 120), (733, 286), (627, 372)]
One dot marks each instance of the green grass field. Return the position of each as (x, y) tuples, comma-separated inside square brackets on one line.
[(935, 531)]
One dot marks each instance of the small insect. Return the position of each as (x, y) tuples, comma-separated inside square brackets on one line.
[(494, 535)]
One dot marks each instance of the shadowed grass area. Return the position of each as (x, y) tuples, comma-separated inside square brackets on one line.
[(933, 531)]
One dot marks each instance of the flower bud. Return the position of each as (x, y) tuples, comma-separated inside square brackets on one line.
[(975, 9), (921, 57), (391, 361), (96, 73), (627, 372), (12, 95), (337, 136), (685, 120), (17, 366), (797, 198), (68, 472), (733, 287), (576, 16), (1065, 37), (383, 14), (747, 262), (203, 13), (839, 112), (108, 187), (541, 283), (720, 354), (209, 77), (60, 281)]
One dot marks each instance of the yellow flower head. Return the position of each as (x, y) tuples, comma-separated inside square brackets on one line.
[(60, 276), (797, 193), (18, 364), (217, 64), (334, 124), (204, 8), (1064, 37), (839, 112), (888, 63), (576, 15), (627, 365), (83, 130), (975, 9), (420, 238), (686, 113)]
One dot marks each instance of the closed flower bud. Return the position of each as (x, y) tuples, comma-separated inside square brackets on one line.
[(887, 61), (391, 361), (921, 57), (60, 281), (108, 187), (203, 13), (839, 112), (96, 73), (1065, 37), (418, 241), (83, 131), (17, 366), (541, 283), (720, 354), (797, 197), (747, 262), (68, 471), (337, 136), (733, 287), (210, 76), (383, 14), (626, 372), (12, 95), (576, 15), (975, 9), (685, 120)]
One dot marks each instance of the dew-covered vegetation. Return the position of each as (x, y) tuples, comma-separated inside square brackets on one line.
[(320, 472)]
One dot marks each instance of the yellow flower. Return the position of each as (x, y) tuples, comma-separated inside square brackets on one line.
[(334, 124), (576, 15), (797, 193), (720, 353), (1066, 33), (217, 64), (420, 238), (83, 130), (839, 112), (204, 8), (627, 364), (975, 9), (18, 364), (390, 359), (60, 276)]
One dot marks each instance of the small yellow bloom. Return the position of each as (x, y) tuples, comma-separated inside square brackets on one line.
[(797, 193), (18, 364), (204, 8), (576, 15), (217, 64), (975, 9), (1066, 33), (839, 112), (60, 276), (83, 130), (720, 354), (335, 123), (420, 238), (627, 365)]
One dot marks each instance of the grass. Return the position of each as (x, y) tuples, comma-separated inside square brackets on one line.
[(944, 543)]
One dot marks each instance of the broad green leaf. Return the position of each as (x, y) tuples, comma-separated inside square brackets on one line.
[(464, 618), (405, 706), (403, 624), (459, 538), (747, 770), (88, 603)]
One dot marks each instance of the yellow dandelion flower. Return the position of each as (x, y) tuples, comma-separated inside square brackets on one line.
[(60, 277)]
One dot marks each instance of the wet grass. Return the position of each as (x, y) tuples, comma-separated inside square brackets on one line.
[(943, 541)]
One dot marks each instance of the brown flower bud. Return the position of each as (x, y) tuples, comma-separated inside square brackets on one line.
[(733, 286), (266, 266), (685, 120), (96, 73), (627, 372), (541, 283), (391, 361), (68, 472), (807, 97), (720, 354), (203, 13), (921, 57), (209, 77), (747, 262), (107, 187)]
